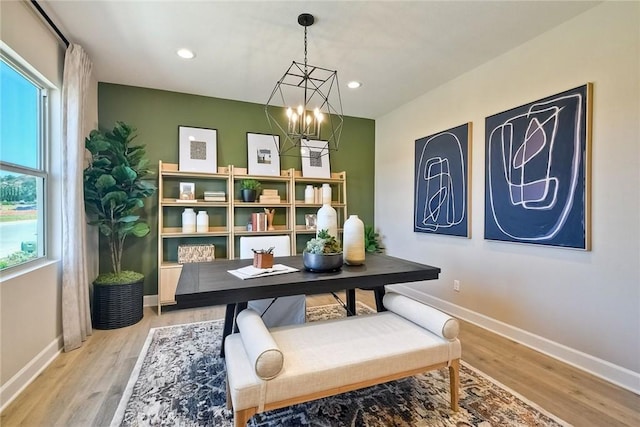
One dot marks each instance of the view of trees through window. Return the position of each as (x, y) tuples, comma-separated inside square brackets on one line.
[(22, 176)]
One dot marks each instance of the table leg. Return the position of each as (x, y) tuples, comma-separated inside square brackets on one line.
[(379, 294), (351, 302), (229, 316)]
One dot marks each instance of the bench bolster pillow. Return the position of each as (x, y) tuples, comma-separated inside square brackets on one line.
[(423, 315), (263, 352)]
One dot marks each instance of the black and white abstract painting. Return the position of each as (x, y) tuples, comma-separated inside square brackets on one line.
[(441, 200), (536, 177)]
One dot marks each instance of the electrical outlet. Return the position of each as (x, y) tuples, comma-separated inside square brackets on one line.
[(456, 285)]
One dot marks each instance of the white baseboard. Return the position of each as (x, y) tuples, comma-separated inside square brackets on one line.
[(615, 374), (16, 384), (150, 301)]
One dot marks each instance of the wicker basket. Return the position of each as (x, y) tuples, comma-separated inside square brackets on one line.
[(117, 306)]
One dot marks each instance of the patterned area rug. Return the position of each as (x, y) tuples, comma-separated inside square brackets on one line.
[(179, 380)]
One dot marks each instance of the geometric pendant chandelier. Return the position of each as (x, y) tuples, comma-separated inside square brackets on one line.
[(305, 105)]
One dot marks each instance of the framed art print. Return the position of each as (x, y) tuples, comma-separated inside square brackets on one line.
[(198, 149), (315, 159), (537, 172), (442, 193), (262, 153)]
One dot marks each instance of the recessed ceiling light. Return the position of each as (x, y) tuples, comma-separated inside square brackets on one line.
[(354, 85), (186, 54)]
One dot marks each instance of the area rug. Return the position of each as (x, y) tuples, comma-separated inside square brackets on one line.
[(179, 380)]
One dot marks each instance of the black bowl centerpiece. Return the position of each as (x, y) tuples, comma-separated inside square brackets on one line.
[(323, 253)]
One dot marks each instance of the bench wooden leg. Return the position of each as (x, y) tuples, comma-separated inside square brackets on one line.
[(454, 383), (241, 418)]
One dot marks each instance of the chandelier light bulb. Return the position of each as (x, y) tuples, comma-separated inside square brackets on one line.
[(300, 110), (294, 117), (289, 112)]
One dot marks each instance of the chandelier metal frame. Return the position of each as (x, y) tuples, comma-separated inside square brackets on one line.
[(317, 114)]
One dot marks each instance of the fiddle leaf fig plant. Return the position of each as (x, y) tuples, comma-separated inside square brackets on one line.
[(115, 189)]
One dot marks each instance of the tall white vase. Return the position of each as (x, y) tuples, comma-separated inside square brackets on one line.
[(202, 222), (188, 221), (309, 194), (327, 219), (326, 194), (353, 241)]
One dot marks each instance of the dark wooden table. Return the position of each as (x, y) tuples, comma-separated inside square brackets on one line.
[(204, 284)]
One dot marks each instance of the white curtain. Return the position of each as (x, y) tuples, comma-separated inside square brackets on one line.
[(76, 314)]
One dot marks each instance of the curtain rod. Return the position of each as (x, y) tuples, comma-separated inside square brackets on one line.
[(50, 22)]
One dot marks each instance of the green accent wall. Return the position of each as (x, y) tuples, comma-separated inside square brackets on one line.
[(156, 114)]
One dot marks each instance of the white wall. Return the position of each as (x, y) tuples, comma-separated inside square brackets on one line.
[(581, 306)]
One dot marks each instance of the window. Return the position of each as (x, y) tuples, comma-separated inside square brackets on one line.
[(23, 176)]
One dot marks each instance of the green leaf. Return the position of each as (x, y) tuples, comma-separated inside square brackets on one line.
[(141, 229)]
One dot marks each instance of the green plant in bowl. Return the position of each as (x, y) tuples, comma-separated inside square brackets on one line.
[(322, 253)]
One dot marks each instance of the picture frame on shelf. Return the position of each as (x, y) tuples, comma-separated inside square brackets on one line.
[(187, 192), (263, 157), (198, 149), (315, 159)]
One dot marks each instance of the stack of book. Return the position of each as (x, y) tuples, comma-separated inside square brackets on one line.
[(269, 196), (215, 196)]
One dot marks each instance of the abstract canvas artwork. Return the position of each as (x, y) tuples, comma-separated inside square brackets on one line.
[(441, 200), (536, 177)]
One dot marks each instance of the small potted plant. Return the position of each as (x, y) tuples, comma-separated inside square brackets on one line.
[(322, 253), (372, 240), (249, 190), (114, 192)]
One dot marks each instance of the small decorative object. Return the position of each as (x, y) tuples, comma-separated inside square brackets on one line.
[(322, 253), (202, 222), (315, 159), (326, 194), (309, 194), (310, 221), (196, 253), (215, 196), (263, 258), (249, 190), (187, 191), (263, 155), (270, 195), (259, 221), (327, 219), (188, 221), (198, 149), (269, 213), (353, 241)]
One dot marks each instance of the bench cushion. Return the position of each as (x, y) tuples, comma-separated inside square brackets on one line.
[(328, 354), (428, 317), (262, 351)]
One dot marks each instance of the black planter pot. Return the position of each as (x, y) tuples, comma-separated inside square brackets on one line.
[(117, 306), (248, 195)]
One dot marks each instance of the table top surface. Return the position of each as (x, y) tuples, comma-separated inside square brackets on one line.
[(212, 280)]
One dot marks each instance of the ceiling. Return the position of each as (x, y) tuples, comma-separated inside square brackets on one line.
[(397, 49)]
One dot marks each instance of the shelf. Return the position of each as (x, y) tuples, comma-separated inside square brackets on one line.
[(302, 204), (199, 203), (176, 232), (239, 204)]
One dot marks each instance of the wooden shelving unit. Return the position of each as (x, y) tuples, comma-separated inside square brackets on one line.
[(228, 219)]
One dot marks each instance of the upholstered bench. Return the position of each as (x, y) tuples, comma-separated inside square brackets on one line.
[(270, 369)]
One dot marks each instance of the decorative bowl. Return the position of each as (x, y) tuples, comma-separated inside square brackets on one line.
[(322, 262)]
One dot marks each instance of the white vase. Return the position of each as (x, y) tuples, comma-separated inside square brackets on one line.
[(327, 219), (202, 222), (188, 221), (353, 241), (326, 194), (309, 194)]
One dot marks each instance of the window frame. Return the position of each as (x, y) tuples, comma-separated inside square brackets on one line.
[(42, 173)]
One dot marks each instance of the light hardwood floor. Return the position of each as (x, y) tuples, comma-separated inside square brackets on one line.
[(83, 387)]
